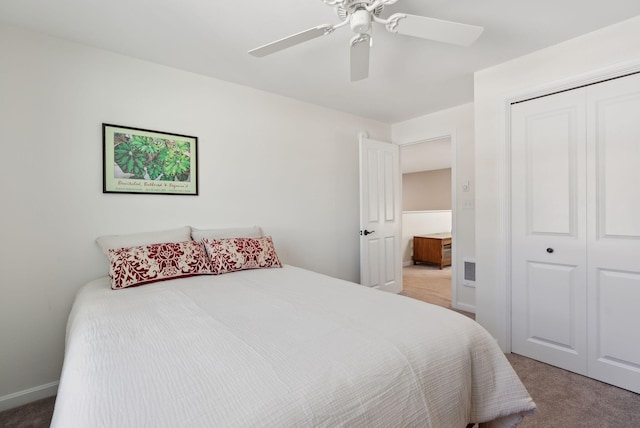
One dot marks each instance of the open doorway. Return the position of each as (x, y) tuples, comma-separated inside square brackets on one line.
[(427, 220)]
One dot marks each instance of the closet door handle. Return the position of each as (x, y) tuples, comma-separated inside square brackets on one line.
[(549, 250)]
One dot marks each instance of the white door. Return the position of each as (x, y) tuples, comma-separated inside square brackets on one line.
[(613, 238), (576, 230), (380, 219), (549, 280)]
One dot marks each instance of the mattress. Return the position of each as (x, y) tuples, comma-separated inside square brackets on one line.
[(277, 348)]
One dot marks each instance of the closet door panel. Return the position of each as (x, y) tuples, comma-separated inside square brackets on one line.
[(613, 235), (615, 112), (618, 295), (548, 230), (550, 306)]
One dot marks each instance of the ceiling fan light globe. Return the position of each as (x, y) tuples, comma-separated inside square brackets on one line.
[(360, 21)]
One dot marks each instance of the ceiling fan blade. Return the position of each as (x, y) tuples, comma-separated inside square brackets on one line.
[(434, 29), (293, 40), (360, 46)]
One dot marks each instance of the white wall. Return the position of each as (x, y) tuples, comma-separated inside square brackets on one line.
[(552, 67), (427, 190), (416, 223), (458, 123), (290, 167)]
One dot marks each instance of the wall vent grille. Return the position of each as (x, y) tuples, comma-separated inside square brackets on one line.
[(469, 272)]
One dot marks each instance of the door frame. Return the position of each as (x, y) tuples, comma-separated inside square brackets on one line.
[(504, 195), (451, 135)]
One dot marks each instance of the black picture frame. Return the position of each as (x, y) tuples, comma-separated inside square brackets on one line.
[(145, 161)]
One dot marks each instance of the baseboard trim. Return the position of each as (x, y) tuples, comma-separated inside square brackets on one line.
[(28, 395), (464, 307)]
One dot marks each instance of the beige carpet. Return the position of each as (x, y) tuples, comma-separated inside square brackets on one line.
[(33, 415), (568, 400)]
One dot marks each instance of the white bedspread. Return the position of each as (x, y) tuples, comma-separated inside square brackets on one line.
[(277, 348)]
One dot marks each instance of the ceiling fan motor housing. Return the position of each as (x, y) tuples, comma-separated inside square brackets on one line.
[(360, 21)]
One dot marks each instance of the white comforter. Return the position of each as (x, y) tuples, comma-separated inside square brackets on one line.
[(277, 348)]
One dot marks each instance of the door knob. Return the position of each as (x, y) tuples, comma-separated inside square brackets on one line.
[(368, 232), (549, 250)]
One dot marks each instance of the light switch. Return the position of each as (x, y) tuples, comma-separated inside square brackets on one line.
[(467, 205)]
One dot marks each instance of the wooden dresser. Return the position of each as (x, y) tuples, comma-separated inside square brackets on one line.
[(434, 249)]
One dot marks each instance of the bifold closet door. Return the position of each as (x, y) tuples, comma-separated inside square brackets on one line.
[(548, 195), (613, 237), (576, 230)]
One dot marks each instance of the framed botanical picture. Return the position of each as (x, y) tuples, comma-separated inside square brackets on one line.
[(144, 161)]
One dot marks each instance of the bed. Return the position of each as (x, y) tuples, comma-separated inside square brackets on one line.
[(277, 347)]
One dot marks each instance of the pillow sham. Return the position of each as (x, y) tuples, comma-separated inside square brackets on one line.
[(230, 255), (234, 232), (132, 266), (145, 238)]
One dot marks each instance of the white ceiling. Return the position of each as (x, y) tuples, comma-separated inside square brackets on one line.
[(408, 78), (426, 156)]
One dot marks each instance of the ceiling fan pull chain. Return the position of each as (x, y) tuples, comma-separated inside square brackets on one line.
[(371, 37)]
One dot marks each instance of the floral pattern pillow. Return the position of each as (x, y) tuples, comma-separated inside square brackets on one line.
[(133, 266), (233, 254)]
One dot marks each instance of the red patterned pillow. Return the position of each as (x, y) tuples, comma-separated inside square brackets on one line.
[(133, 266), (229, 255)]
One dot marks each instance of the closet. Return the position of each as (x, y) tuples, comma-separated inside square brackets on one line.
[(575, 230)]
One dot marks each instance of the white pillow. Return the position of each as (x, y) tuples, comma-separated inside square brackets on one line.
[(110, 242), (235, 232)]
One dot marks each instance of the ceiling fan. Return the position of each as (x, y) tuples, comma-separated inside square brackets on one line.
[(359, 14)]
